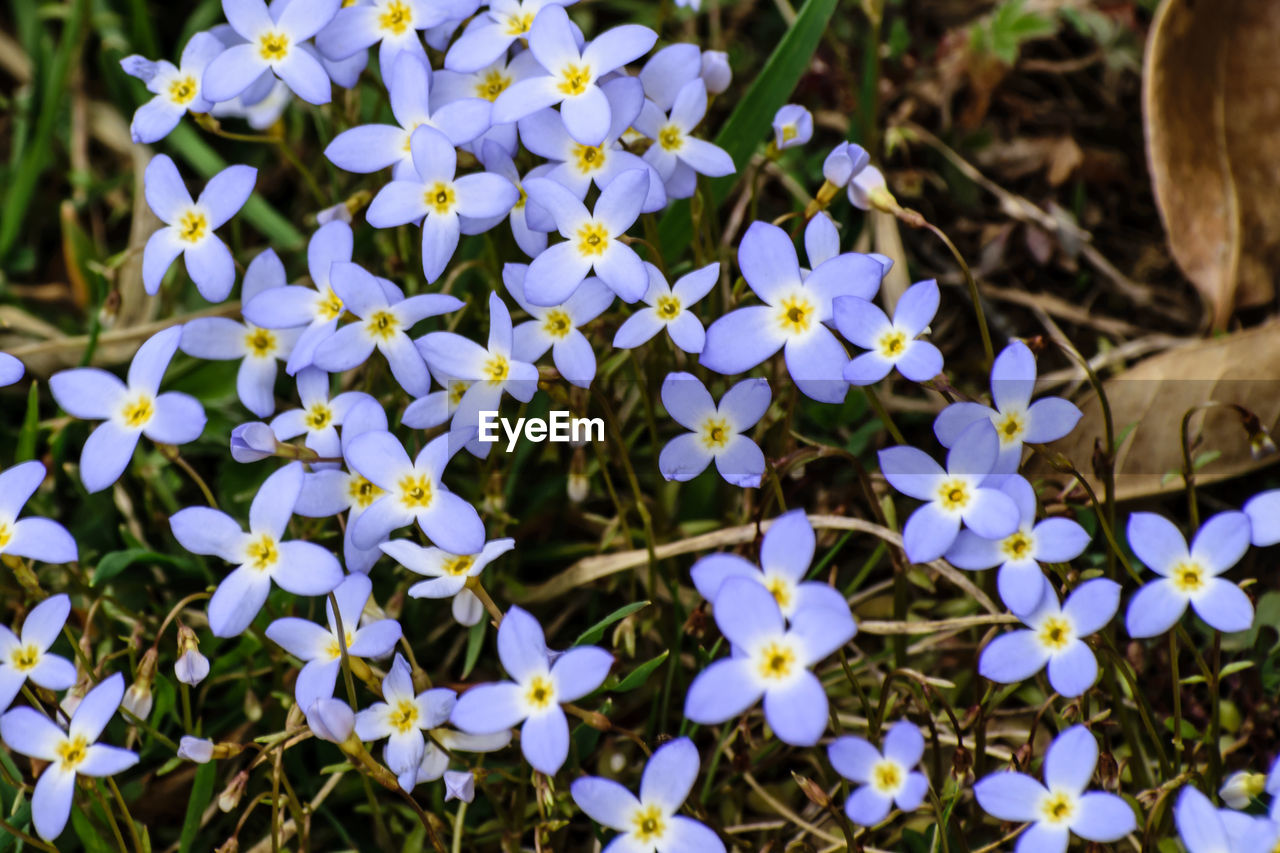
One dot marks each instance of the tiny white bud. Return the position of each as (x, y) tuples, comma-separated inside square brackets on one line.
[(192, 667), (199, 750), (716, 73), (331, 720), (459, 785), (1241, 787)]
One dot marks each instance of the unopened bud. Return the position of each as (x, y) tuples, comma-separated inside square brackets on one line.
[(844, 162), (252, 442), (716, 73), (252, 706), (459, 785), (961, 762), (624, 637), (868, 190), (232, 845), (230, 796), (1241, 787), (191, 667), (331, 720), (199, 750), (338, 213), (812, 790), (138, 699)]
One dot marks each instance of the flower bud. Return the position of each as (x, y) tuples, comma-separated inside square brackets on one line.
[(459, 785), (338, 213), (138, 699), (844, 162), (812, 790), (331, 720), (1241, 787), (230, 796), (199, 750), (716, 73), (252, 442), (191, 667), (868, 190), (232, 845), (792, 126)]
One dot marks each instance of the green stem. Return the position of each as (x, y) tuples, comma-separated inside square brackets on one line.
[(1177, 702), (883, 414)]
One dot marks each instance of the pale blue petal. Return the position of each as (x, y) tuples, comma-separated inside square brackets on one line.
[(853, 758), (1103, 818), (544, 740), (904, 743), (605, 801), (741, 462), (1013, 376), (991, 514), (722, 691), (917, 307), (1224, 606), (488, 708), (1012, 657), (788, 545), (1156, 541), (669, 776), (579, 671), (1073, 670), (797, 712), (521, 644), (767, 259), (1154, 609), (741, 339), (1050, 419), (106, 455), (1221, 541), (867, 807), (816, 363), (747, 613), (1009, 796), (956, 418), (1092, 605)]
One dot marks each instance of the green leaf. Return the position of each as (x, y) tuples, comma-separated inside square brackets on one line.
[(26, 448), (593, 634), (748, 125), (201, 796), (1230, 669), (475, 642), (90, 836), (117, 561), (640, 674)]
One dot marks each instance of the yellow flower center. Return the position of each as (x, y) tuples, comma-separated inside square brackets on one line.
[(415, 491), (25, 657), (362, 492), (497, 368), (262, 554), (1058, 807), (588, 158), (671, 138), (493, 84), (1010, 427), (1055, 633), (5, 534), (73, 751), (649, 825), (557, 323), (954, 495), (789, 132), (715, 433), (382, 325), (1188, 577), (261, 342), (457, 388), (441, 197), (138, 413), (886, 776), (335, 648), (777, 661), (780, 587), (518, 25), (183, 90), (330, 305), (575, 79), (273, 47), (192, 226), (519, 205), (796, 314), (541, 692), (459, 565), (892, 344), (668, 307), (593, 239), (405, 716), (396, 18), (318, 416), (1017, 546)]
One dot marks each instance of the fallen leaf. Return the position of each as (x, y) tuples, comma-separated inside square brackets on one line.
[(1149, 400), (1211, 103)]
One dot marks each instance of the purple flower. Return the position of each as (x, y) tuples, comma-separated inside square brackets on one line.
[(1015, 417), (302, 568), (792, 126), (70, 753), (892, 343), (1188, 575), (190, 226), (487, 83), (383, 324), (1204, 829), (844, 162), (459, 785), (679, 156), (573, 74), (446, 206), (497, 160), (669, 307), (331, 720), (770, 661), (177, 90), (886, 777), (534, 696), (317, 310), (785, 555), (393, 24), (448, 573), (667, 71), (253, 442), (952, 495), (592, 240), (11, 369), (493, 31), (127, 411), (1263, 510), (34, 538), (372, 147), (1056, 638), (1019, 555), (320, 415), (412, 491), (792, 316), (319, 648), (26, 656), (715, 432), (224, 339), (716, 72), (402, 718), (556, 328), (1062, 805), (650, 822), (273, 42)]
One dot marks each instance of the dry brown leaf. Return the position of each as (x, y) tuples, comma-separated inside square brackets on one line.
[(1211, 98), (1242, 368)]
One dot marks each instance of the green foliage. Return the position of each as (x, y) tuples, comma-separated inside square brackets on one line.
[(1004, 31)]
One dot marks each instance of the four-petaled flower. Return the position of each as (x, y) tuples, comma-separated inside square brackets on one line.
[(669, 307), (127, 411), (319, 416), (392, 24), (887, 777), (26, 656), (272, 42), (448, 573), (401, 718), (715, 431), (890, 343), (556, 328), (792, 126), (34, 538), (176, 89), (1062, 805), (534, 696), (676, 153), (651, 822), (302, 568)]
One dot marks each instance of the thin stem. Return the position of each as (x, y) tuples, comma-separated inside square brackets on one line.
[(913, 218), (186, 706), (1177, 702), (883, 414), (473, 584), (1215, 718), (124, 811), (168, 451), (111, 818)]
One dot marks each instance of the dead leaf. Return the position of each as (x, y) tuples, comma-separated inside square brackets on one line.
[(1149, 400), (1211, 99)]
